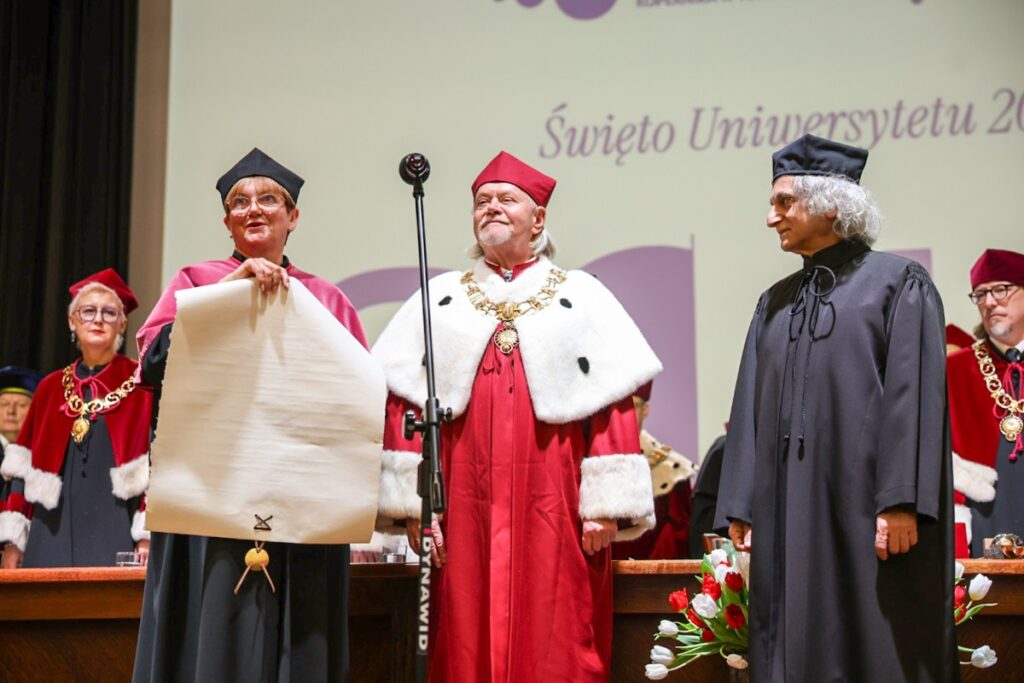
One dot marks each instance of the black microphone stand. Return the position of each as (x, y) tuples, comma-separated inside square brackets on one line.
[(415, 169)]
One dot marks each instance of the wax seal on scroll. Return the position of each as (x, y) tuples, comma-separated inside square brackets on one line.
[(257, 559)]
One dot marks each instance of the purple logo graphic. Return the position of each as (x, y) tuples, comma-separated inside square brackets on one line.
[(577, 9)]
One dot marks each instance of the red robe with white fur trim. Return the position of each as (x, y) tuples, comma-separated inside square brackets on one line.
[(37, 457), (518, 600), (975, 435)]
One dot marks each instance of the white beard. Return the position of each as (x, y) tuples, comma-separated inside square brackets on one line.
[(1001, 331), (495, 234)]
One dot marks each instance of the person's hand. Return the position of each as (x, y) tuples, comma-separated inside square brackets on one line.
[(739, 534), (142, 549), (12, 557), (598, 534), (895, 532), (438, 550), (269, 276)]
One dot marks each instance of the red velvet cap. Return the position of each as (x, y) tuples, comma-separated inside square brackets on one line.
[(505, 168), (998, 264), (644, 392), (957, 337), (110, 278)]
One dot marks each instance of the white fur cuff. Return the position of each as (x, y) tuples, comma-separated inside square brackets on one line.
[(962, 515), (131, 479), (17, 462), (399, 499), (14, 528), (139, 532), (974, 480), (42, 487), (618, 487)]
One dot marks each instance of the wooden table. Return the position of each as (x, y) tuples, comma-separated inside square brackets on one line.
[(81, 624)]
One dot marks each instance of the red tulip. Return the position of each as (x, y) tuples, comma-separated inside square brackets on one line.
[(959, 593), (734, 580), (679, 600), (734, 616), (694, 619), (711, 587), (707, 636)]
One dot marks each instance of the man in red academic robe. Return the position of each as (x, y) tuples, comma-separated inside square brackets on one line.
[(986, 407), (542, 461)]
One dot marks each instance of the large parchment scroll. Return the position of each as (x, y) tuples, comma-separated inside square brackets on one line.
[(270, 407)]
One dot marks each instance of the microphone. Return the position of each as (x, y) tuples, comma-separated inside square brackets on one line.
[(414, 169)]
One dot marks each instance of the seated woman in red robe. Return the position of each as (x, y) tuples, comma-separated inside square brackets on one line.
[(79, 468)]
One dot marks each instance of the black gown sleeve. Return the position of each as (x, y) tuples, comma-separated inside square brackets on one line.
[(913, 449), (705, 497), (154, 363), (736, 489)]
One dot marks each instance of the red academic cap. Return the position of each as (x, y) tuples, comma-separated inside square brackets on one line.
[(644, 392), (998, 264), (110, 278), (957, 337), (505, 168)]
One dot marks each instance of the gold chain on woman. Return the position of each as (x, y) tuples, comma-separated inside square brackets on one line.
[(76, 404), (1011, 425), (507, 338)]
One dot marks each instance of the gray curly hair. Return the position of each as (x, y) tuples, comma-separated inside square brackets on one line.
[(857, 214)]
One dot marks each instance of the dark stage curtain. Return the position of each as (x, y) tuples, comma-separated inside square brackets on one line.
[(66, 113)]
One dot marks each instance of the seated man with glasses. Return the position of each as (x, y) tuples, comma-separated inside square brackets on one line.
[(986, 404)]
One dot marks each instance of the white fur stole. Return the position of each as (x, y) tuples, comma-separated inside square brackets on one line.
[(581, 353)]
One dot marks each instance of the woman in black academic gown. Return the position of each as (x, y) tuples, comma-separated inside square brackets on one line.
[(199, 622)]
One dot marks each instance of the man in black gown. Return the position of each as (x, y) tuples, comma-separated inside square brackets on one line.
[(836, 455)]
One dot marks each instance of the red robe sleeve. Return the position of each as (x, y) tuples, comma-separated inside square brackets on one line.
[(398, 500), (615, 481)]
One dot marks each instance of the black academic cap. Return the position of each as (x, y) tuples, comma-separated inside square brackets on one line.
[(256, 163), (19, 380), (811, 155)]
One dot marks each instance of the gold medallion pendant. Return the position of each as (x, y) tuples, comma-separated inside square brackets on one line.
[(76, 405), (79, 428), (1011, 426), (507, 338)]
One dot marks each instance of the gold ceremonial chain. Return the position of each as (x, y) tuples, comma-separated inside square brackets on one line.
[(1011, 425), (507, 338), (76, 404)]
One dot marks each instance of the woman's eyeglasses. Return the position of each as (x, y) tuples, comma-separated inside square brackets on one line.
[(267, 202), (107, 314)]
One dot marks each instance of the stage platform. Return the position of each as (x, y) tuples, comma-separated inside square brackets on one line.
[(80, 624)]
